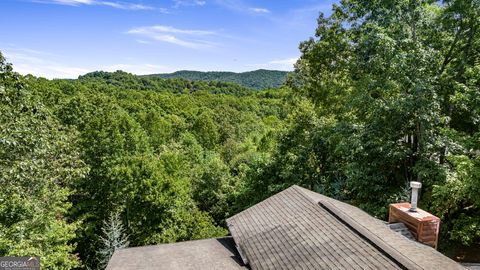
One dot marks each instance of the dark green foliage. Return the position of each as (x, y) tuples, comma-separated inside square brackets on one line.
[(205, 130), (394, 90), (168, 159), (258, 79), (180, 85)]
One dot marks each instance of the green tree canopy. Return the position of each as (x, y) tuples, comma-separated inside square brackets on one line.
[(395, 88), (39, 162)]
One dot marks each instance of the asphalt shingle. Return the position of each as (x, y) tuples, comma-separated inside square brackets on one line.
[(301, 229), (212, 254)]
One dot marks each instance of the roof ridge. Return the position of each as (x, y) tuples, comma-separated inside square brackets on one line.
[(249, 209), (336, 232), (357, 228), (368, 235), (302, 192)]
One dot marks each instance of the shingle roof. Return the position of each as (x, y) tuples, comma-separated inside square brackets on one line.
[(214, 254), (301, 229), (472, 266)]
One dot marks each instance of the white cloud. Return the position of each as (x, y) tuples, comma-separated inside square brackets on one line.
[(128, 6), (26, 61), (281, 64), (179, 3), (168, 29), (118, 5), (51, 71), (182, 37), (70, 2), (241, 6), (288, 61), (37, 63), (177, 41), (163, 10), (259, 10)]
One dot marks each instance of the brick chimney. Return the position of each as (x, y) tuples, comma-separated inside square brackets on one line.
[(423, 225)]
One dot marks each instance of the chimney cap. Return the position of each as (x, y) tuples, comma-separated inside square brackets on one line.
[(414, 184)]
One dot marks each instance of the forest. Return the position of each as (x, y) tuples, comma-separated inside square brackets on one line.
[(385, 92), (257, 79)]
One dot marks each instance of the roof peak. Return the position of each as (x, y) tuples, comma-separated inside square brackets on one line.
[(301, 229)]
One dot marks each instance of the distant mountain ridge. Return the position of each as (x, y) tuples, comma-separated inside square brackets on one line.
[(258, 79)]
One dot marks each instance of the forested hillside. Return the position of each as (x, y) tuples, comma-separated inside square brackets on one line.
[(383, 94), (258, 79), (164, 159)]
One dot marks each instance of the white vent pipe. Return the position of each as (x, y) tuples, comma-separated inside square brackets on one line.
[(415, 187)]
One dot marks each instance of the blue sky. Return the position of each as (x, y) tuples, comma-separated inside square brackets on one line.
[(67, 38)]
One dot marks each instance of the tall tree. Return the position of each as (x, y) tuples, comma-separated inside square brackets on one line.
[(395, 86), (38, 164)]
